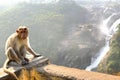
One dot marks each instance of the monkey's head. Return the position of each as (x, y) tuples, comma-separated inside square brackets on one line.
[(22, 32)]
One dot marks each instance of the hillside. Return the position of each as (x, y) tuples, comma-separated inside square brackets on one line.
[(62, 31)]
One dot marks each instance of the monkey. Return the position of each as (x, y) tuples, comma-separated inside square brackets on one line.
[(16, 47)]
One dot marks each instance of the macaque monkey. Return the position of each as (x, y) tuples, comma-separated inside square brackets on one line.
[(17, 45)]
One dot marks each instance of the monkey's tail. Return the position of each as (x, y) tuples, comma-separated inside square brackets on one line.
[(8, 71)]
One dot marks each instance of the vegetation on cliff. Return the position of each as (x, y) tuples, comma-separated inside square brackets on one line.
[(111, 62)]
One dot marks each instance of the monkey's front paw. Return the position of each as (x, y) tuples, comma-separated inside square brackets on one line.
[(24, 63), (26, 59)]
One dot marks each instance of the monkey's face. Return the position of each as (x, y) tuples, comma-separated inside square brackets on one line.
[(22, 32)]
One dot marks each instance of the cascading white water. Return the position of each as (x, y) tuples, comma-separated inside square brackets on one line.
[(105, 49)]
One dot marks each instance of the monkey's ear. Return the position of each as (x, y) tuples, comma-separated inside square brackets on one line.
[(17, 31)]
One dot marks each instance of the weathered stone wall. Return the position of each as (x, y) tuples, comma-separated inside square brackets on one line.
[(37, 62), (44, 67)]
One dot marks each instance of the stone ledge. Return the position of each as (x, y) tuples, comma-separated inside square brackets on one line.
[(43, 66), (74, 74), (36, 62)]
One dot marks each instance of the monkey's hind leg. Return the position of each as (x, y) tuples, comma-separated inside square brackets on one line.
[(12, 56)]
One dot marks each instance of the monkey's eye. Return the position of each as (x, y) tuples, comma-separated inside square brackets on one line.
[(23, 32), (25, 29)]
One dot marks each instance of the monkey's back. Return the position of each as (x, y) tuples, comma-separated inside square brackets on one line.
[(11, 41)]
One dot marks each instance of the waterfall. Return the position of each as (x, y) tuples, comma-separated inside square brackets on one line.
[(108, 32)]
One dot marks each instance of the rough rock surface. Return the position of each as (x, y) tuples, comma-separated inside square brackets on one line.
[(75, 74), (13, 67)]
